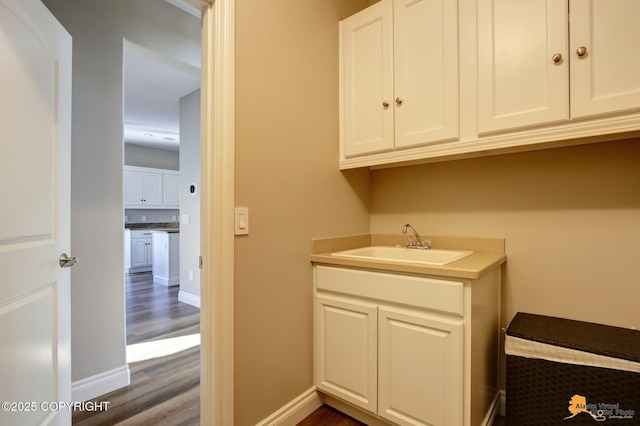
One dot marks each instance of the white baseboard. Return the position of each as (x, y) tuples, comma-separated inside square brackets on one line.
[(188, 298), (356, 413), (100, 384), (306, 403), (166, 281), (295, 411), (496, 406)]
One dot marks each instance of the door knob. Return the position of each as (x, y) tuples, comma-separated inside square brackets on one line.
[(399, 101), (581, 51), (385, 104), (557, 58), (67, 261)]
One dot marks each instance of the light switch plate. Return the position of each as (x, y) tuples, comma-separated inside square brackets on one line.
[(242, 221)]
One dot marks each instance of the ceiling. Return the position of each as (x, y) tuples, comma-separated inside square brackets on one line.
[(153, 86)]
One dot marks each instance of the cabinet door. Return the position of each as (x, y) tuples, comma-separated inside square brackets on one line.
[(420, 368), (346, 352), (366, 81), (132, 188), (152, 189), (519, 84), (149, 251), (606, 77), (171, 190), (140, 252), (425, 71)]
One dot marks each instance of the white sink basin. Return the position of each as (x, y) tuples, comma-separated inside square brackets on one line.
[(403, 254)]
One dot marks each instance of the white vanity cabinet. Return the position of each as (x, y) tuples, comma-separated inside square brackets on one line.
[(149, 188), (138, 251), (398, 76), (407, 349), (537, 68)]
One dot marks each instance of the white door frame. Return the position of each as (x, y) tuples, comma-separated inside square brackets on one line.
[(217, 204)]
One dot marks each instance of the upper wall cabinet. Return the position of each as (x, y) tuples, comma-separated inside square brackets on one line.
[(429, 80), (147, 188), (536, 68), (398, 77)]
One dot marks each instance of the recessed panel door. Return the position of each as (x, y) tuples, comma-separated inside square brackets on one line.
[(35, 118), (605, 66), (523, 64), (366, 68), (346, 352), (420, 368)]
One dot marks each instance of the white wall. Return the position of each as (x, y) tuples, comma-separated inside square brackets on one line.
[(142, 156), (190, 204), (98, 29)]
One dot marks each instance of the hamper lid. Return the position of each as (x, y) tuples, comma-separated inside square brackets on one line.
[(599, 339)]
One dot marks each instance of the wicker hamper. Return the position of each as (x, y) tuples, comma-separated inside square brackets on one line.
[(565, 372)]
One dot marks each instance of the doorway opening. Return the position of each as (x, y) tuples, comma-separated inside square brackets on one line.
[(162, 219)]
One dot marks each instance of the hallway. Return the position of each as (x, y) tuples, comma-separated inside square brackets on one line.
[(164, 390)]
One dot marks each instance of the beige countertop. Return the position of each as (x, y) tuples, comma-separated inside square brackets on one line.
[(488, 254)]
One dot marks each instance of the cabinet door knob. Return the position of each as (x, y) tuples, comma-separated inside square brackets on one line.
[(581, 51), (557, 58), (385, 104), (399, 101)]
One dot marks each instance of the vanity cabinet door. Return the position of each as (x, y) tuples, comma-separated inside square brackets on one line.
[(346, 350), (420, 368)]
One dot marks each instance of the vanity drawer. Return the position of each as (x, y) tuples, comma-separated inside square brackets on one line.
[(422, 292)]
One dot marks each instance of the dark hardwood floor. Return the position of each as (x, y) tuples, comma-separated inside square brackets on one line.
[(328, 416), (164, 390)]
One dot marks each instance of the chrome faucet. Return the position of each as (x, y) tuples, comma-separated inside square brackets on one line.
[(418, 244)]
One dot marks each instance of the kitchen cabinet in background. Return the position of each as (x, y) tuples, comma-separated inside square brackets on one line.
[(138, 251), (148, 188)]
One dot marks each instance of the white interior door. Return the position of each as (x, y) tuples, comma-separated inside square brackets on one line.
[(35, 118)]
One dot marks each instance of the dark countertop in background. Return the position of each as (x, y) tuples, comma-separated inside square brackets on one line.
[(152, 225)]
